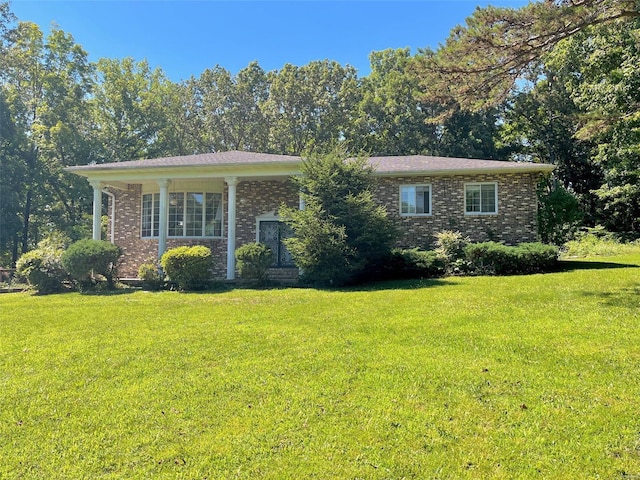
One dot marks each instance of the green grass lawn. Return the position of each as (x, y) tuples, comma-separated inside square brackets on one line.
[(510, 377)]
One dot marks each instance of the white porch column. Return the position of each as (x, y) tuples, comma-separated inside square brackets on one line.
[(232, 182), (164, 216), (97, 209)]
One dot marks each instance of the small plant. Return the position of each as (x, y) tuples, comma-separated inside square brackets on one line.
[(43, 268), (86, 259), (450, 246), (151, 279), (188, 267), (254, 259)]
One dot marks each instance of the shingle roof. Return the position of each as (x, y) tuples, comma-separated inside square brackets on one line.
[(233, 157), (390, 165), (429, 164)]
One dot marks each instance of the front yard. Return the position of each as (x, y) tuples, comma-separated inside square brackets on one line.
[(485, 377)]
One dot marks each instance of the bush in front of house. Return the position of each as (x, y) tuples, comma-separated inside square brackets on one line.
[(499, 259), (342, 233), (85, 260), (151, 279), (538, 257), (451, 246), (43, 268), (188, 267), (414, 263), (254, 259)]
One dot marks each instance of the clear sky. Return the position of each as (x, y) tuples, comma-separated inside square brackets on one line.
[(186, 37)]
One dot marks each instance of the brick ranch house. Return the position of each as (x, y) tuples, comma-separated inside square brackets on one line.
[(224, 200)]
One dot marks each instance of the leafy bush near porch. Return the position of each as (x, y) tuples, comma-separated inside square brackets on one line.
[(85, 259), (254, 259), (499, 259), (148, 273), (43, 268), (188, 267)]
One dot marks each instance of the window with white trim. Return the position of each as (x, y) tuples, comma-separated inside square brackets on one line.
[(481, 198), (150, 214), (190, 214), (415, 199)]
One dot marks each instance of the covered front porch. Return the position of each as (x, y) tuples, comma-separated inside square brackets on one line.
[(219, 200)]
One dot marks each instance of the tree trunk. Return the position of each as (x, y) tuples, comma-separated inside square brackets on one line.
[(25, 222)]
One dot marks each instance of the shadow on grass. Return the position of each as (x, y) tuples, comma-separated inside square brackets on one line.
[(571, 265), (109, 293), (625, 298), (413, 284)]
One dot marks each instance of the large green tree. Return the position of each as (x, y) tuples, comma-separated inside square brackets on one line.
[(479, 64), (130, 109), (309, 106), (228, 109), (342, 231), (45, 84), (389, 119), (599, 67)]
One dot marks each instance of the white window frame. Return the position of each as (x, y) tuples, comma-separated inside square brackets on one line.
[(480, 184), (416, 214), (155, 230)]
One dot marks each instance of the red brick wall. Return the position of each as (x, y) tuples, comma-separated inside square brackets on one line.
[(514, 223), (252, 199)]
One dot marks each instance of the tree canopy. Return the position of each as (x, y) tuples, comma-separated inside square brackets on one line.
[(479, 64)]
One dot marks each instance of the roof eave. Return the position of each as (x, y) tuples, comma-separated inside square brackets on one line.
[(539, 168)]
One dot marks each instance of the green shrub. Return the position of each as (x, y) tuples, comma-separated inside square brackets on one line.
[(86, 259), (559, 215), (151, 279), (450, 246), (254, 259), (342, 233), (499, 259), (537, 257), (188, 267), (414, 263), (43, 269)]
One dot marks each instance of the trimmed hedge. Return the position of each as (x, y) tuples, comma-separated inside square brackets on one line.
[(414, 263), (188, 267), (254, 259), (499, 259), (87, 258)]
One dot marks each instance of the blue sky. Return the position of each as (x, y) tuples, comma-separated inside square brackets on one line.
[(186, 37)]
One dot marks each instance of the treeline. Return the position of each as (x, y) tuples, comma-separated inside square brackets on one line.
[(57, 109)]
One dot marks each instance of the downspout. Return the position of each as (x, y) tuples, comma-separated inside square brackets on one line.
[(113, 214)]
